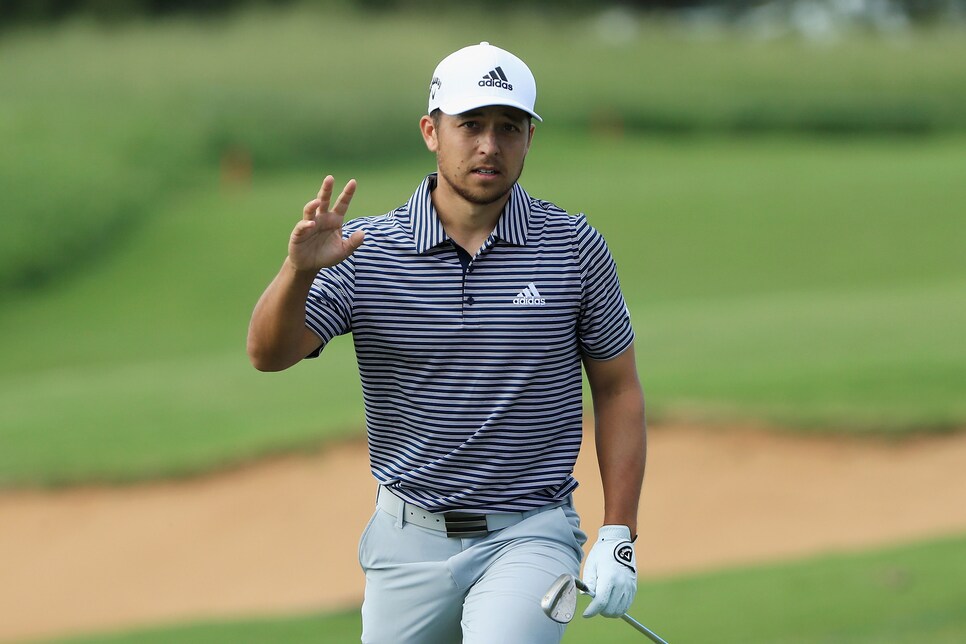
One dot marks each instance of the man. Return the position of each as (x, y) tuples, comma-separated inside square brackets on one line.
[(472, 308)]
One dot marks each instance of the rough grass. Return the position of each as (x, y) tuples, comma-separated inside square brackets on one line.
[(100, 123)]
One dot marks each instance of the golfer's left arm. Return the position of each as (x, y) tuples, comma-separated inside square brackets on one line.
[(620, 435), (610, 570)]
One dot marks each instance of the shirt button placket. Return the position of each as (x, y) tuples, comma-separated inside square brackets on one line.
[(469, 314)]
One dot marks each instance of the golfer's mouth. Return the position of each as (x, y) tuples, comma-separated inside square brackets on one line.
[(486, 172)]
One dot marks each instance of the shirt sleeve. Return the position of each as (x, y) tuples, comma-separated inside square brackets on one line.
[(328, 308), (604, 328)]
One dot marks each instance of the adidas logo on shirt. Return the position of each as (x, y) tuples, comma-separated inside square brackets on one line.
[(496, 78), (529, 296)]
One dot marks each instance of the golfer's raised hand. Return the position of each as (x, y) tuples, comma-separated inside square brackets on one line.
[(317, 241)]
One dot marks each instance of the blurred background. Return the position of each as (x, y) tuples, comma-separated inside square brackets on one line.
[(782, 183)]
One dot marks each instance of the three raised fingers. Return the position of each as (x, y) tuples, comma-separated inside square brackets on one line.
[(320, 204)]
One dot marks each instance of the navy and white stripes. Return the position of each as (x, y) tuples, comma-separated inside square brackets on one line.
[(472, 385)]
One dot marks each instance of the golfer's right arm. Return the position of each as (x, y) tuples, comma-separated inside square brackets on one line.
[(277, 335)]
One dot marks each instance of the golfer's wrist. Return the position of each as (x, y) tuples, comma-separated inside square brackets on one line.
[(298, 272), (617, 515), (615, 532)]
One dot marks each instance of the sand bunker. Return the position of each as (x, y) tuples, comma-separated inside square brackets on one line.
[(280, 537)]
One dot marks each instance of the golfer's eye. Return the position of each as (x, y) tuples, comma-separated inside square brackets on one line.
[(470, 125)]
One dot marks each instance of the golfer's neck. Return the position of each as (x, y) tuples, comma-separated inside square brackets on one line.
[(468, 224)]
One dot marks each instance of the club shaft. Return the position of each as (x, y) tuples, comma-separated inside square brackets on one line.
[(654, 637), (644, 629)]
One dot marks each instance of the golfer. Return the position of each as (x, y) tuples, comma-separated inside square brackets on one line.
[(472, 307)]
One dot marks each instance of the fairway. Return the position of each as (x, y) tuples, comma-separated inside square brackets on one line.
[(734, 319)]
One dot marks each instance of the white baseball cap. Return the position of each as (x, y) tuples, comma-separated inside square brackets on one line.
[(481, 75)]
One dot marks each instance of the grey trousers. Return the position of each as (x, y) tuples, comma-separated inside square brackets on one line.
[(423, 587)]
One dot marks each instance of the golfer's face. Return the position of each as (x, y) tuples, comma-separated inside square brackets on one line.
[(480, 153)]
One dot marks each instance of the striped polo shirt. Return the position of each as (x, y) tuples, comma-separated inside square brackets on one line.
[(472, 378)]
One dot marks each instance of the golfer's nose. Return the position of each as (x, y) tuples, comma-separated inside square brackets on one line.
[(488, 144)]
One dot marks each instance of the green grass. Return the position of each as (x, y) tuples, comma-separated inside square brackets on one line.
[(138, 369), (762, 284), (344, 627), (810, 281), (876, 361), (100, 123), (892, 596)]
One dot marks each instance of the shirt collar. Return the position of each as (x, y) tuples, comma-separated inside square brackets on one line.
[(428, 231)]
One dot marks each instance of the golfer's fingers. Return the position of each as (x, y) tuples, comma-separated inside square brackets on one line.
[(342, 203), (301, 229), (626, 600), (594, 607), (618, 604), (600, 600), (355, 240), (310, 210), (325, 193)]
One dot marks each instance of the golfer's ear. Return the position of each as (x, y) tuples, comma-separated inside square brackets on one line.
[(428, 128)]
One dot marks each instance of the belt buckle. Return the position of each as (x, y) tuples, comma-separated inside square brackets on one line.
[(465, 526)]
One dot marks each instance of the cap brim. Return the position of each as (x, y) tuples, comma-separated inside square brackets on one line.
[(453, 108)]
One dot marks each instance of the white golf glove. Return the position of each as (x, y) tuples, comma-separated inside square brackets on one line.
[(611, 572)]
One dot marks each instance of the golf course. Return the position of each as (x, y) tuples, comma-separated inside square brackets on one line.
[(787, 219)]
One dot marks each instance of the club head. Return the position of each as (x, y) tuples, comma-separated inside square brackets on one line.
[(560, 601)]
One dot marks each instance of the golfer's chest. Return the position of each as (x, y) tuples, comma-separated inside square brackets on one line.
[(521, 301)]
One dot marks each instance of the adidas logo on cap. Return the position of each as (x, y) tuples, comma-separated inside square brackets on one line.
[(458, 87), (496, 78)]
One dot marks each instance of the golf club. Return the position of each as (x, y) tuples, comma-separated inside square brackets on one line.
[(560, 604)]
